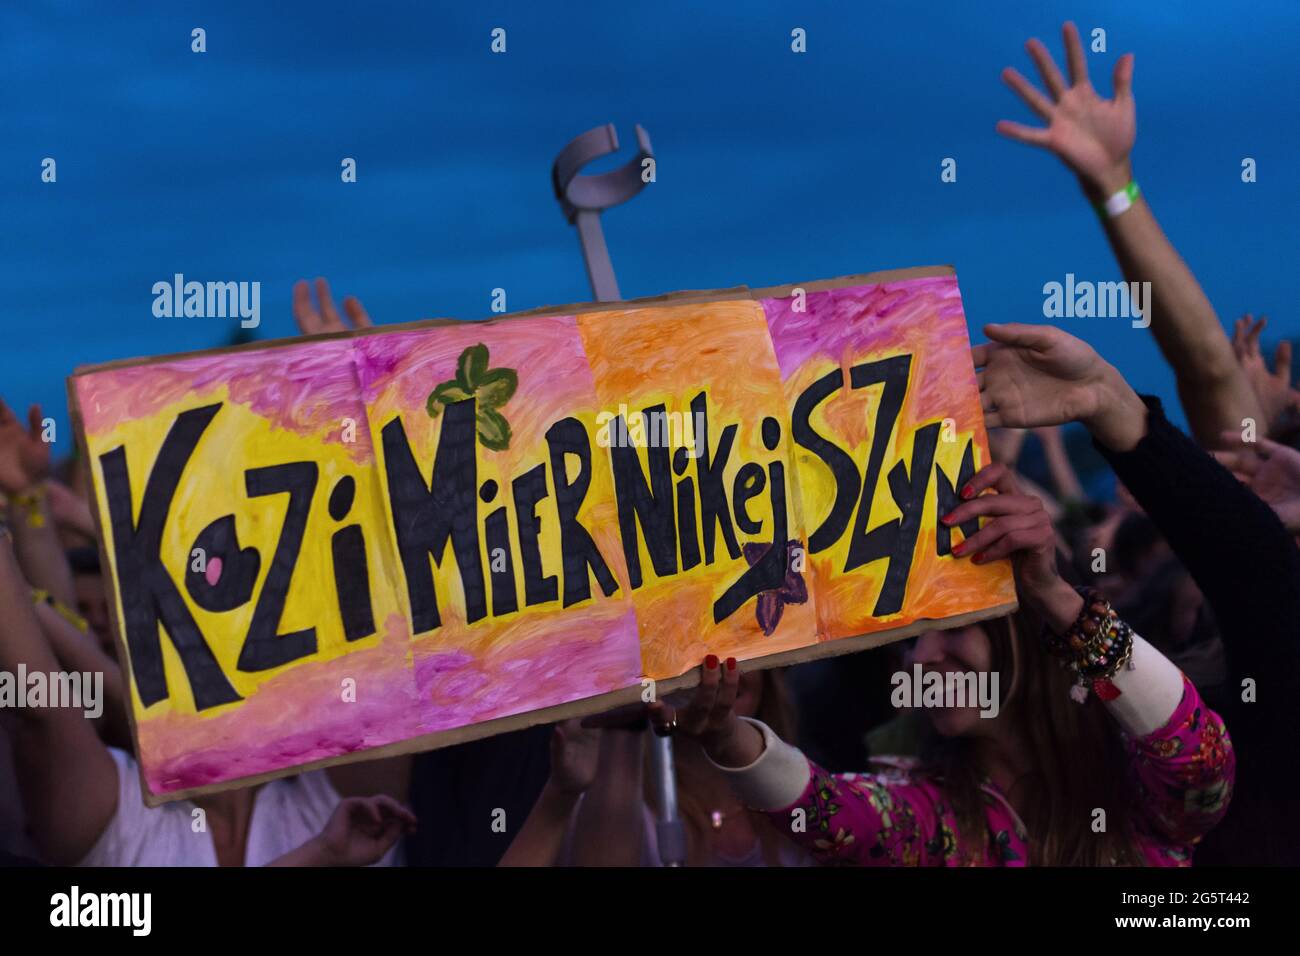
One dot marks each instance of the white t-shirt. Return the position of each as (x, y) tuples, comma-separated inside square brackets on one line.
[(286, 814)]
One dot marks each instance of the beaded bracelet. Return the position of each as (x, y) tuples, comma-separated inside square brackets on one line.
[(1096, 647), (30, 503), (40, 596)]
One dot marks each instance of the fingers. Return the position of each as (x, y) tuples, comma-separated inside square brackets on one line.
[(694, 720), (1282, 362), (1239, 330), (356, 313), (1021, 133), (304, 313), (996, 476), (1052, 78), (1021, 335), (727, 692), (1252, 337), (1002, 537), (988, 506), (34, 418), (1035, 100), (1074, 55), (1243, 464), (311, 320), (1122, 79), (6, 414), (389, 807), (332, 323), (379, 814), (1267, 448), (661, 717), (710, 706)]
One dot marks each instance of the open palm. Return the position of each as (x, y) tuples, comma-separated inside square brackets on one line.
[(1272, 471), (1036, 375), (1091, 135)]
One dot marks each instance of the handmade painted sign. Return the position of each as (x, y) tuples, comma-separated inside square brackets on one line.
[(340, 548)]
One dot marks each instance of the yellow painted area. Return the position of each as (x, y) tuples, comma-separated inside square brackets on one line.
[(211, 487)]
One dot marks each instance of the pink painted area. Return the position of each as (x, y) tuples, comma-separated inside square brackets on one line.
[(308, 389), (923, 317), (529, 667), (297, 717), (212, 572), (860, 318), (454, 675), (397, 372)]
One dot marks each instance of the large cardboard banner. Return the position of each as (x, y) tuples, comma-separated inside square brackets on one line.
[(350, 546)]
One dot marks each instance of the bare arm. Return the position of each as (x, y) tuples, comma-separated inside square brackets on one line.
[(79, 652), (541, 838), (575, 753), (358, 833), (36, 542), (1213, 388), (24, 468), (608, 828), (1094, 137), (67, 778)]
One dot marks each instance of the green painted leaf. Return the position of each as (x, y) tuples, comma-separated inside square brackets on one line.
[(493, 430), (496, 387), (445, 394), (472, 366)]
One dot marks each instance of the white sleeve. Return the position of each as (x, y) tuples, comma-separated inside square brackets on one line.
[(122, 839), (776, 779), (1149, 693)]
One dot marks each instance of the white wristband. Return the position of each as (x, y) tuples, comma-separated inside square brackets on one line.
[(1121, 201)]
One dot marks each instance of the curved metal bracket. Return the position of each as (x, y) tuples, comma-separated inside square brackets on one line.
[(583, 198)]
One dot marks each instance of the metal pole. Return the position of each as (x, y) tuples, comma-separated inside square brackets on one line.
[(583, 198)]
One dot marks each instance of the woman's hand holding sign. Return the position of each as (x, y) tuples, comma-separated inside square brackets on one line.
[(711, 717)]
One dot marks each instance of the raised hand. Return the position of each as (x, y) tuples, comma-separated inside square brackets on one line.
[(575, 756), (312, 320), (1271, 386), (1092, 135), (1270, 470), (1035, 375), (24, 456)]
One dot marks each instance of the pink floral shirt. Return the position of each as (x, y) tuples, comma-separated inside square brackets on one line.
[(897, 817)]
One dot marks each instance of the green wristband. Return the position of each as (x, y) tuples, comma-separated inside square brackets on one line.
[(1119, 202)]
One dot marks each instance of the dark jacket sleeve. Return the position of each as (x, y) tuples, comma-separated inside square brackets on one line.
[(1245, 563)]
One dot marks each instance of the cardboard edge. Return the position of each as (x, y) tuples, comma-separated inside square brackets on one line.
[(585, 706), (666, 299), (867, 278), (109, 579)]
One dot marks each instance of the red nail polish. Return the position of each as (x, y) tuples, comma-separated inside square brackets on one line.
[(711, 662), (979, 558), (731, 663), (967, 494), (959, 547)]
